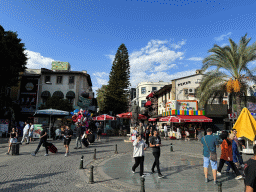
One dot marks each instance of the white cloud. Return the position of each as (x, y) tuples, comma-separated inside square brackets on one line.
[(101, 78), (37, 61), (224, 44), (111, 57), (195, 59), (222, 37)]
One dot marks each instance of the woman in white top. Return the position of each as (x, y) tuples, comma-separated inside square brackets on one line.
[(138, 154), (178, 133)]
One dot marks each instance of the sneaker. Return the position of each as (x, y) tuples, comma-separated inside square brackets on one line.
[(160, 175), (143, 175), (218, 173), (206, 180), (215, 182), (133, 172), (239, 177), (33, 154), (66, 154), (46, 154)]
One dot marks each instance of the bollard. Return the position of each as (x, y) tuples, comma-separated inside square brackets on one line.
[(171, 148), (142, 184), (91, 175), (82, 162), (94, 156), (116, 150), (219, 183)]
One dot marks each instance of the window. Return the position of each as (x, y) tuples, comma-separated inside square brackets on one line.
[(154, 88), (143, 103), (47, 79), (134, 94), (185, 91), (59, 79), (71, 79), (143, 90)]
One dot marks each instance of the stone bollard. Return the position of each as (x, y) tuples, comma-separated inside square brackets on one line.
[(82, 162), (94, 156), (142, 184), (171, 148), (91, 175), (116, 150), (219, 183)]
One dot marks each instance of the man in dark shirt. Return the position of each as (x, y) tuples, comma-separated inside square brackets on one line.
[(43, 139), (250, 173), (67, 138), (155, 143), (78, 137)]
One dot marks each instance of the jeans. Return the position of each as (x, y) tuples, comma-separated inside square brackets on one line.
[(78, 140), (222, 161), (156, 162), (240, 159), (39, 145), (139, 161)]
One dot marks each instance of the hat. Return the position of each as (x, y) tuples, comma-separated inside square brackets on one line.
[(209, 130)]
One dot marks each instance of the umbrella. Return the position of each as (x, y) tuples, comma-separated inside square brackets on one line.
[(103, 118), (128, 115), (51, 112), (245, 125)]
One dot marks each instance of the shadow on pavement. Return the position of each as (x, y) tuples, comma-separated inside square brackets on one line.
[(18, 187)]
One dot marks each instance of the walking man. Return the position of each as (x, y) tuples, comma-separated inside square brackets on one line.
[(250, 173), (31, 131), (209, 142), (67, 138), (25, 133), (78, 137), (138, 154), (43, 139), (155, 143)]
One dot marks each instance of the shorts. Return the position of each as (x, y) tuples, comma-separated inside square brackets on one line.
[(30, 135), (13, 140), (67, 141), (207, 162)]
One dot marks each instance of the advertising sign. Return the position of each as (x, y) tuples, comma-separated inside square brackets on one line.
[(185, 105), (252, 107), (37, 130), (28, 94)]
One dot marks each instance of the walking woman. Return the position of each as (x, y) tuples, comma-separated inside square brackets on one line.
[(226, 154), (138, 154), (13, 139)]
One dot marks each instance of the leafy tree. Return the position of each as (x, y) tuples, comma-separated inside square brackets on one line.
[(101, 98), (57, 103), (119, 82), (231, 73), (13, 57)]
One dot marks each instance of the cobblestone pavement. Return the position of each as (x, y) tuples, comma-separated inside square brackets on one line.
[(112, 171)]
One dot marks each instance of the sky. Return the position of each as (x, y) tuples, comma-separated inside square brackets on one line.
[(166, 39)]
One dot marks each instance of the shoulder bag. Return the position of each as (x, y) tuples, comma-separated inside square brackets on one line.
[(213, 155)]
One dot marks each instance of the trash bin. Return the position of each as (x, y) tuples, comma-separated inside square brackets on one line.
[(15, 148)]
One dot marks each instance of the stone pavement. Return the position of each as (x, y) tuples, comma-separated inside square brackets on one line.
[(112, 172)]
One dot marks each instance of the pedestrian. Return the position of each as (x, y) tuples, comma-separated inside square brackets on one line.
[(138, 153), (101, 127), (25, 133), (226, 154), (200, 135), (196, 132), (13, 139), (78, 137), (99, 132), (250, 173), (43, 139), (67, 138), (209, 149), (147, 132), (141, 130), (31, 131), (58, 133), (155, 143), (186, 135), (120, 131), (178, 135), (165, 131)]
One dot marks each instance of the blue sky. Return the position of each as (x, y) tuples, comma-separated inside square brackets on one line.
[(166, 39)]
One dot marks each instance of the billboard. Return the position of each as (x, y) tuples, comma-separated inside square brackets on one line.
[(185, 105)]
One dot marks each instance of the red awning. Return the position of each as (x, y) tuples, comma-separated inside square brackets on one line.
[(104, 117), (150, 95), (148, 103), (170, 118), (128, 115), (152, 119), (193, 118)]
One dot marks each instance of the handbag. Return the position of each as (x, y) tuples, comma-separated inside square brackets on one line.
[(213, 155)]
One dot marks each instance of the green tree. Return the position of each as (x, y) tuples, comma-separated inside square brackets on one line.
[(13, 58), (57, 103), (119, 82), (231, 72), (101, 98)]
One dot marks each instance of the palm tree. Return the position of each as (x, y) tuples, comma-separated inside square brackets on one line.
[(231, 72)]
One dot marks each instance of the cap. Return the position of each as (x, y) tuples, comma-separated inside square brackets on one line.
[(209, 130)]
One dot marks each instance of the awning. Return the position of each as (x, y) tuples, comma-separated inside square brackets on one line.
[(193, 118), (150, 95), (70, 94), (170, 119), (148, 103), (45, 94), (152, 119), (128, 115), (58, 94)]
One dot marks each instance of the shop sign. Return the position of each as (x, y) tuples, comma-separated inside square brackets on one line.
[(184, 83), (187, 105)]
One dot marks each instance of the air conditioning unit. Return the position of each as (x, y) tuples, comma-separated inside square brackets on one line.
[(191, 91)]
